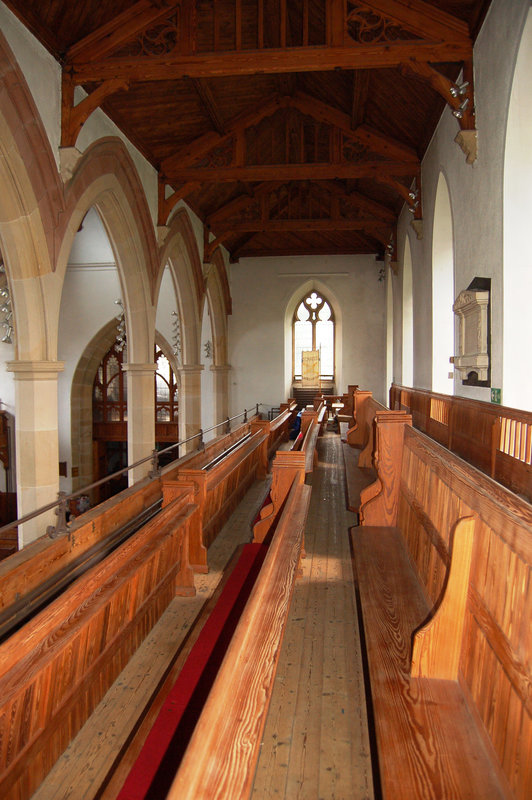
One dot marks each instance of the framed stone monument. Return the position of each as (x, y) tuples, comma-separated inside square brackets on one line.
[(472, 307)]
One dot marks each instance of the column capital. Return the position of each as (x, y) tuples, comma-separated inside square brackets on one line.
[(35, 370), (191, 369), (140, 369), (221, 368)]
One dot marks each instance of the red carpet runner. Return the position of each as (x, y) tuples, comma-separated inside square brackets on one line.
[(154, 770)]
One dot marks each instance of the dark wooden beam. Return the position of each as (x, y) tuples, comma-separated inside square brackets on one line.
[(269, 61), (377, 230), (445, 87), (241, 202), (293, 172), (306, 104), (302, 225), (73, 116), (204, 144)]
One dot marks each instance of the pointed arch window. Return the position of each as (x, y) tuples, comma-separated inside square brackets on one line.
[(313, 328)]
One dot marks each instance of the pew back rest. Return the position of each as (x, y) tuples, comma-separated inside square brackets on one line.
[(42, 560), (495, 439), (436, 488)]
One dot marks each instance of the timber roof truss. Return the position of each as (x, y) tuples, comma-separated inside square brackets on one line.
[(288, 127)]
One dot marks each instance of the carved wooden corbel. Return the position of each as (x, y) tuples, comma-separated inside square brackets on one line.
[(73, 116)]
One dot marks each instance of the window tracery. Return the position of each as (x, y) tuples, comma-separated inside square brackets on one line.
[(313, 328)]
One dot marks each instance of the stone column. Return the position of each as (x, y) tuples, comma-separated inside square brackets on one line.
[(140, 417), (221, 391), (37, 442), (189, 405)]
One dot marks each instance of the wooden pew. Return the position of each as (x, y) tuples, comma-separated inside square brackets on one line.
[(278, 429), (443, 570), (57, 667), (217, 491), (359, 446), (221, 758), (288, 465), (46, 563), (495, 439)]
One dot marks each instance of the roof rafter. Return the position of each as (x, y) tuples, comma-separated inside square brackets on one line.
[(321, 112), (423, 19), (121, 29)]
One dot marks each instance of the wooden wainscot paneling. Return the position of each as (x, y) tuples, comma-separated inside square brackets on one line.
[(57, 667)]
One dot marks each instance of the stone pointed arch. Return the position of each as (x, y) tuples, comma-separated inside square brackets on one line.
[(219, 298), (180, 252), (106, 178), (31, 201), (81, 403)]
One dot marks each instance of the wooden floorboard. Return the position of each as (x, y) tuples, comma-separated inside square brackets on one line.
[(316, 743), (86, 768)]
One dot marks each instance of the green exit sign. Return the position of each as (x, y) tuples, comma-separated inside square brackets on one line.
[(496, 396)]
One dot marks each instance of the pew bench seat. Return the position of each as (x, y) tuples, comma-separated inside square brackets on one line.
[(356, 478), (428, 743)]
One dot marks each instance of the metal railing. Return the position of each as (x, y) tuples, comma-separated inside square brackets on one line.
[(61, 504)]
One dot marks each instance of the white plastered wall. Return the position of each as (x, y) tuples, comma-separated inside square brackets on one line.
[(260, 347), (476, 194)]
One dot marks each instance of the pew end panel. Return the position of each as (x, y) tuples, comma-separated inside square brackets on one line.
[(193, 481), (357, 435), (379, 502), (288, 467)]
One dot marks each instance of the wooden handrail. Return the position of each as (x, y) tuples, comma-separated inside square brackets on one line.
[(221, 757)]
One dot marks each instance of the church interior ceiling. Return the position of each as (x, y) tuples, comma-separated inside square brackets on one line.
[(290, 127)]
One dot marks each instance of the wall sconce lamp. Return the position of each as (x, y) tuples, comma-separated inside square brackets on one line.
[(121, 327), (176, 335)]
